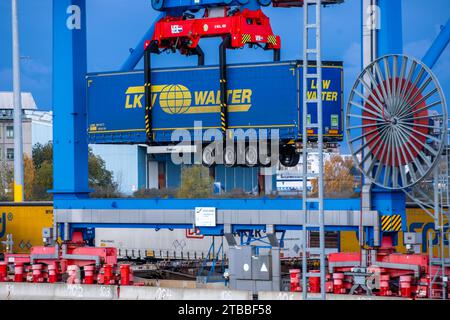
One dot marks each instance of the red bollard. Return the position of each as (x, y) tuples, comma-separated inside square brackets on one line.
[(384, 285), (405, 286), (338, 283), (89, 274), (108, 274), (423, 287), (3, 271), (314, 283), (125, 274), (37, 273), (52, 273), (295, 280), (18, 272)]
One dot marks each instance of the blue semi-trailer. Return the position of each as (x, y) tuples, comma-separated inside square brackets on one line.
[(261, 96)]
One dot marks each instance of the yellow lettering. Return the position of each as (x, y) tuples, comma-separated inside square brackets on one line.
[(200, 97), (313, 84), (312, 95), (128, 105), (247, 96), (154, 99), (137, 101), (236, 96), (326, 84), (211, 98), (335, 96)]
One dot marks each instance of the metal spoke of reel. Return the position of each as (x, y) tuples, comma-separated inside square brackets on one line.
[(396, 121)]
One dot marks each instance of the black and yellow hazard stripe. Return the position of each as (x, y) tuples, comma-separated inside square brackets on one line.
[(224, 86), (246, 38), (272, 40), (391, 223)]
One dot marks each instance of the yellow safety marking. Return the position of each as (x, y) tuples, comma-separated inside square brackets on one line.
[(18, 192), (391, 223)]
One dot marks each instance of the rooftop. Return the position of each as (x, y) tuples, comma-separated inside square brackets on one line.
[(6, 101)]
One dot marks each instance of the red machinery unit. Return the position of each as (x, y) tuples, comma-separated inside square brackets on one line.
[(243, 27)]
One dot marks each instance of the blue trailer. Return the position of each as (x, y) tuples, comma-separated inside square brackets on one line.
[(261, 96)]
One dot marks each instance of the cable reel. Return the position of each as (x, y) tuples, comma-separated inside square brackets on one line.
[(396, 121)]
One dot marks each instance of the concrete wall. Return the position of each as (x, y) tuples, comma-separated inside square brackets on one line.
[(61, 291)]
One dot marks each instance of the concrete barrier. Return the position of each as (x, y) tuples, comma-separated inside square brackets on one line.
[(154, 293), (44, 291), (267, 295)]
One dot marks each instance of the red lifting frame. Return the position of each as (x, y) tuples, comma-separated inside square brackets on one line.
[(246, 27)]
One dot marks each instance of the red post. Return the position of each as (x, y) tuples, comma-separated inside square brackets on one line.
[(52, 272), (405, 286), (125, 274), (3, 271), (384, 285), (108, 274), (314, 283), (338, 283), (37, 273), (18, 272), (89, 274), (295, 280)]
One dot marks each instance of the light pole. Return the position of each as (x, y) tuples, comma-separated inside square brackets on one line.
[(18, 146)]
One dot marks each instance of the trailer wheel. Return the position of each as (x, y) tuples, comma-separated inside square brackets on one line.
[(208, 156), (287, 154), (295, 159), (251, 156), (230, 156), (289, 157)]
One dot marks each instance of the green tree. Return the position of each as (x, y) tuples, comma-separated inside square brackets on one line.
[(100, 179), (6, 180), (43, 181), (42, 153), (195, 183)]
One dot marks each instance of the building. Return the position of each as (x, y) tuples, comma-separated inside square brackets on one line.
[(36, 125), (136, 167)]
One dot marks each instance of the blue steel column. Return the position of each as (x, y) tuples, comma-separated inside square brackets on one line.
[(390, 41), (438, 46), (390, 35), (70, 148)]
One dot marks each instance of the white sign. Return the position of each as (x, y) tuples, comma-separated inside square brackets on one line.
[(205, 217), (264, 268)]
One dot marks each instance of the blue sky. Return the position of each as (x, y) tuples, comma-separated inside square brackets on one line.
[(114, 26)]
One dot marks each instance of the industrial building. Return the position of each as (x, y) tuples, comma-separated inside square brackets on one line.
[(37, 125)]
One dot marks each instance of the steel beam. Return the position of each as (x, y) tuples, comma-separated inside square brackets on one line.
[(390, 34), (185, 217), (137, 53), (70, 148), (438, 46)]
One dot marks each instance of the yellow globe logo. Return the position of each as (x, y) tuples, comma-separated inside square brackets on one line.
[(175, 99)]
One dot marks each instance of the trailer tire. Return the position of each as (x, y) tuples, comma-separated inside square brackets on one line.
[(229, 157), (208, 156), (288, 156), (251, 156)]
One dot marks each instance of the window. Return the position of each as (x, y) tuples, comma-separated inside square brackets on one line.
[(10, 154), (10, 132)]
